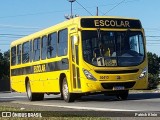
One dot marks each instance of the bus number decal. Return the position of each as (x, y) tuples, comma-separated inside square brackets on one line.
[(104, 77), (39, 68)]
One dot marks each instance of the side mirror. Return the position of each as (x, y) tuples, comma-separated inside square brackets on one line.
[(75, 39)]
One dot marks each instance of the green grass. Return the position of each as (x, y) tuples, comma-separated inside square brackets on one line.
[(5, 108), (65, 117)]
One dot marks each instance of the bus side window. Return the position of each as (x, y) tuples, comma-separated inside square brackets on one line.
[(18, 61), (36, 49), (52, 45), (13, 55), (31, 52), (25, 52), (63, 42), (44, 47)]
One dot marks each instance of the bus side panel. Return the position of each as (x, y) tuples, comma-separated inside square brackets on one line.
[(36, 83), (51, 81), (18, 84)]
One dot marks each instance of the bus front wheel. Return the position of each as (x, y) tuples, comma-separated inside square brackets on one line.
[(33, 96), (67, 96)]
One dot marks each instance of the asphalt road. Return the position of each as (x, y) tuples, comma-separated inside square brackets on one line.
[(136, 103)]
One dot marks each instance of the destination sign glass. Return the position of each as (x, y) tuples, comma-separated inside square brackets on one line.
[(110, 23)]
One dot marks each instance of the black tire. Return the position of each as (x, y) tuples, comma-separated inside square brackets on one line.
[(123, 95), (33, 96), (67, 96)]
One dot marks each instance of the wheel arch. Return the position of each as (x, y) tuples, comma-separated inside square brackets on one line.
[(26, 81), (61, 77)]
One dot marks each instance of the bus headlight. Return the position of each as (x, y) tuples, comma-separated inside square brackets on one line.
[(88, 75), (143, 74)]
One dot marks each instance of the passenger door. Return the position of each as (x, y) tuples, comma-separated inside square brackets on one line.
[(76, 84)]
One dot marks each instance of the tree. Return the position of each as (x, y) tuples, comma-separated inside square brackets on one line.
[(153, 70), (6, 57), (5, 64), (1, 65), (5, 71), (153, 63)]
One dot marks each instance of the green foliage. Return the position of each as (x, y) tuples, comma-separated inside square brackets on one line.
[(153, 63), (4, 64), (153, 70), (153, 81)]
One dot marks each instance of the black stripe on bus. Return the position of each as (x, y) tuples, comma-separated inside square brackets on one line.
[(40, 68)]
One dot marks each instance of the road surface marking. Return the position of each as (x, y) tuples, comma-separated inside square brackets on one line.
[(74, 107), (13, 97)]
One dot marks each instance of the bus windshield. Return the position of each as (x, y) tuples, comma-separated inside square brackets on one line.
[(113, 48)]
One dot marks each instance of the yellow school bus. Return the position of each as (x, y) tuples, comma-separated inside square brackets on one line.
[(81, 56)]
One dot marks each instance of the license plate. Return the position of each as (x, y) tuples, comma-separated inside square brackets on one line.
[(118, 88)]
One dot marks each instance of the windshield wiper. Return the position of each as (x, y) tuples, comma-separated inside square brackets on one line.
[(99, 34), (124, 38), (126, 34), (100, 41)]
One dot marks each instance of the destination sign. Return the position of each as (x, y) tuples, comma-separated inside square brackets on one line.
[(110, 23)]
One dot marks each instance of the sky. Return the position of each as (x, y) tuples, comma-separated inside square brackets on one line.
[(23, 17)]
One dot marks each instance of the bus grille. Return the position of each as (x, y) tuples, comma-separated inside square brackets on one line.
[(117, 72), (111, 85)]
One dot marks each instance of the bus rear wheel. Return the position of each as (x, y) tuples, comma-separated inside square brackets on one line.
[(67, 96), (123, 95), (33, 96)]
